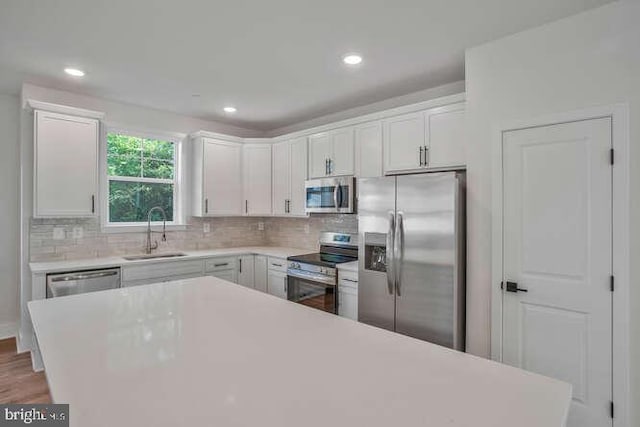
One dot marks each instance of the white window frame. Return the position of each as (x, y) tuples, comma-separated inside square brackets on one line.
[(179, 203)]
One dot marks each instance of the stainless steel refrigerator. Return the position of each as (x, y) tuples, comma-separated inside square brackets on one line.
[(412, 256)]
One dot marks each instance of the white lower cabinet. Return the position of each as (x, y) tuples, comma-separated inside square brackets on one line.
[(228, 275), (222, 267), (260, 273), (246, 271), (348, 294), (277, 283), (277, 277)]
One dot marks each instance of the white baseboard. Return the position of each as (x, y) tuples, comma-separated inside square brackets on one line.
[(8, 330)]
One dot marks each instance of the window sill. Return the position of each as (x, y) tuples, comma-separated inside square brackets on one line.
[(135, 228)]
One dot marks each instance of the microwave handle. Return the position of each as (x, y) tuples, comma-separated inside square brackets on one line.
[(335, 195)]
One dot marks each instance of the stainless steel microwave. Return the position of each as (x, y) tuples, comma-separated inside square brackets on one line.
[(330, 195)]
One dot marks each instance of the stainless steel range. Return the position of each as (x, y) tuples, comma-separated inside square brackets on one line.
[(312, 279)]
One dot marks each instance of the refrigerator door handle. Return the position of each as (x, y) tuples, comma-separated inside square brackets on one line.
[(399, 251), (389, 255)]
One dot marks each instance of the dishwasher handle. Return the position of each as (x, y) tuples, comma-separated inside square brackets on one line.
[(84, 276)]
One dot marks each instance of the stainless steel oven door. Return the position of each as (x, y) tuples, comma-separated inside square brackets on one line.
[(330, 195), (313, 291)]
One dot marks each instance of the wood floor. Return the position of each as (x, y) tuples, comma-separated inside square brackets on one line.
[(18, 382)]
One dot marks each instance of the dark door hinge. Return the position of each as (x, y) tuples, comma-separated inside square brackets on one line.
[(611, 156), (611, 408), (612, 285)]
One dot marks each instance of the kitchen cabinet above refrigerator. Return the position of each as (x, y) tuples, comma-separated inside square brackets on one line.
[(425, 140)]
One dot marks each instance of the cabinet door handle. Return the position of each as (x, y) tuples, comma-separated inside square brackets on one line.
[(221, 265), (206, 205), (426, 156), (93, 203), (286, 286), (240, 265), (330, 166), (326, 166), (277, 265), (246, 206), (420, 155)]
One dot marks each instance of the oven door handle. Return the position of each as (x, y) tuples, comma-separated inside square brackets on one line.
[(325, 280)]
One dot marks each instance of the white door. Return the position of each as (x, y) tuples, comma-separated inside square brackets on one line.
[(445, 129), (320, 152), (277, 284), (557, 246), (66, 165), (260, 273), (281, 154), (403, 137), (257, 179), (222, 178), (246, 271), (298, 176), (368, 147), (342, 159)]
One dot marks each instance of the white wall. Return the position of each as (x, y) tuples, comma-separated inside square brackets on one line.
[(591, 59), (9, 209)]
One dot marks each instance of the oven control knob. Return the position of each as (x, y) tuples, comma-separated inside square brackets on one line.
[(323, 270)]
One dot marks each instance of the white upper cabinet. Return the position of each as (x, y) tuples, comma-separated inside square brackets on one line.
[(217, 177), (331, 153), (257, 179), (289, 175), (445, 131), (65, 165), (281, 161), (320, 151), (368, 148), (404, 142), (431, 139), (298, 176)]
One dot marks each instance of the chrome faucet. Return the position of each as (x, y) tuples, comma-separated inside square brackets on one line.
[(151, 247)]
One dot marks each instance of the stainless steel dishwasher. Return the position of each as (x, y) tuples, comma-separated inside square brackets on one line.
[(80, 282)]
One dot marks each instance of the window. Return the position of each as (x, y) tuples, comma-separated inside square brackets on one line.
[(141, 174)]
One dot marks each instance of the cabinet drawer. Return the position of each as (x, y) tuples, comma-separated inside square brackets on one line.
[(218, 264), (349, 277), (277, 264), (165, 269), (348, 284)]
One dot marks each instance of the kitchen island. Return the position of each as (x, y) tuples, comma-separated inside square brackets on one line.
[(208, 352)]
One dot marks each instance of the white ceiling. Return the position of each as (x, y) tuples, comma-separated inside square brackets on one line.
[(277, 61)]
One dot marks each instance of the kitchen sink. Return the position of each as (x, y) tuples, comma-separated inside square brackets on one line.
[(154, 256)]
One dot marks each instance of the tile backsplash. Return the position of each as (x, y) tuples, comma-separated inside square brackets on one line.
[(224, 232)]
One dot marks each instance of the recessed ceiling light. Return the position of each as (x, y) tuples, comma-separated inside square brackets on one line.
[(74, 72), (230, 109), (352, 59)]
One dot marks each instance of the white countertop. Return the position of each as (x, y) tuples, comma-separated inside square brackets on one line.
[(91, 263), (348, 266), (207, 352)]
